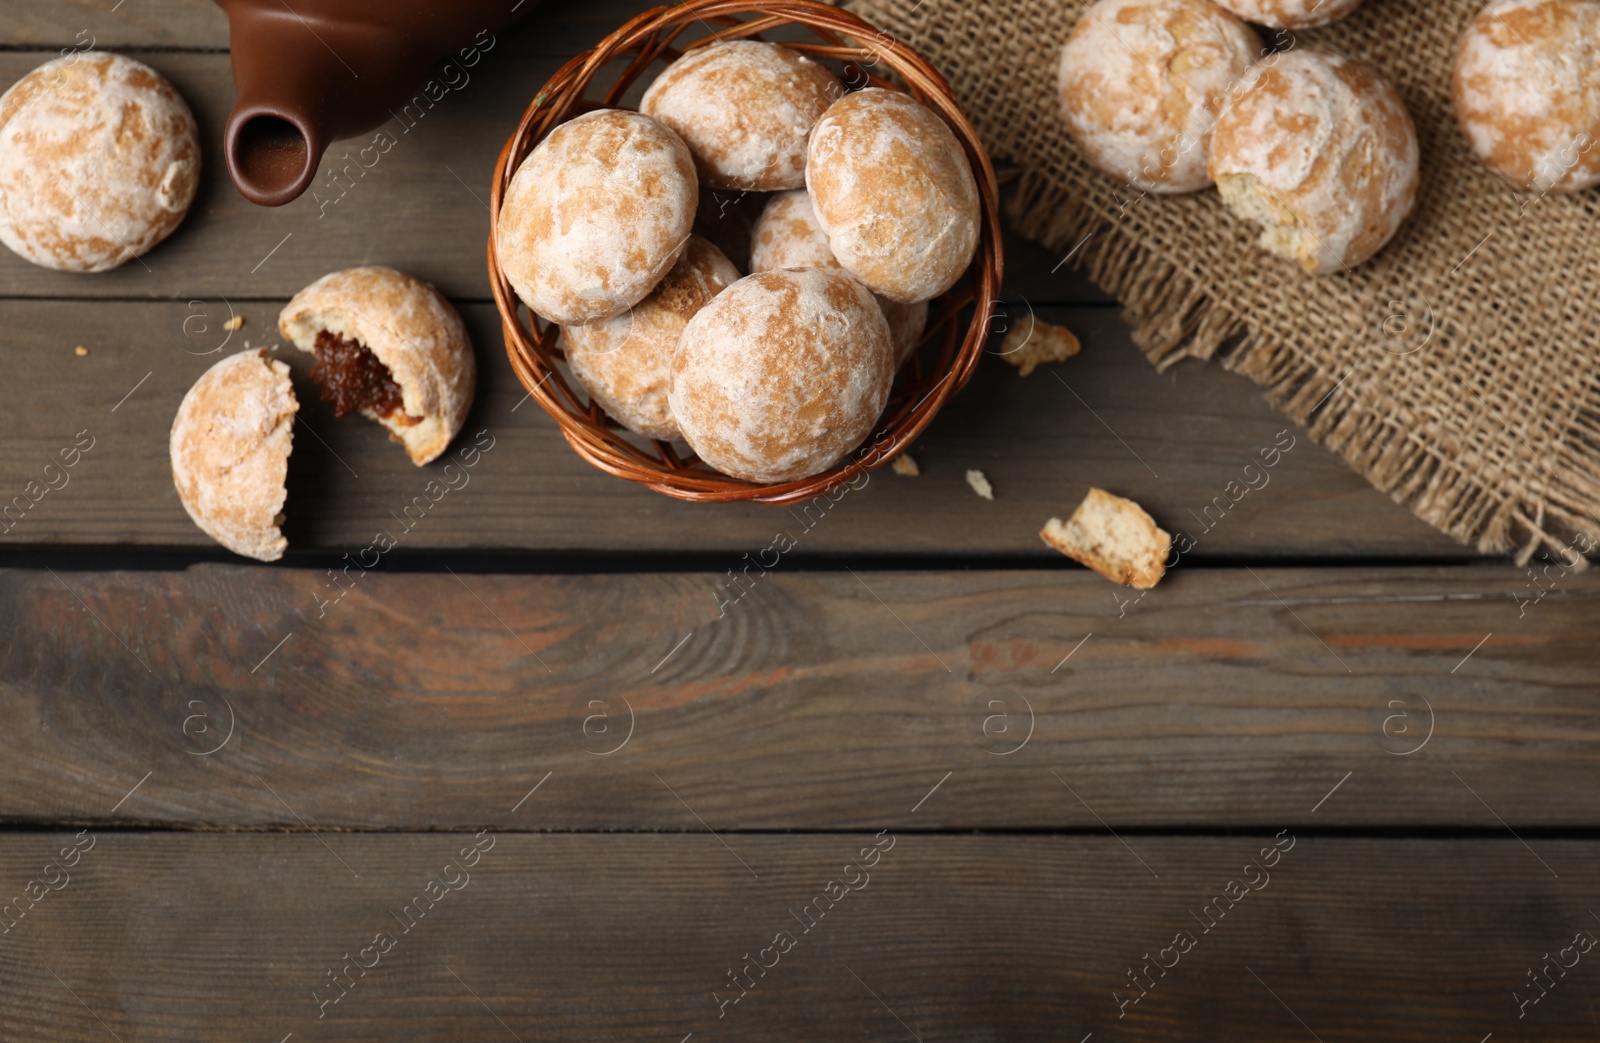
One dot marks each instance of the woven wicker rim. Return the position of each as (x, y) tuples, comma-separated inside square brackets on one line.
[(920, 390)]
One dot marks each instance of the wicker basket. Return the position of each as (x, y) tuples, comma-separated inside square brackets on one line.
[(924, 384)]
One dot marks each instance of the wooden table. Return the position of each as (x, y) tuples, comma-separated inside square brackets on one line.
[(1334, 779)]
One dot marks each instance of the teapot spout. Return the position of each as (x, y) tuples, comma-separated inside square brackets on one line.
[(307, 75), (294, 94), (272, 152)]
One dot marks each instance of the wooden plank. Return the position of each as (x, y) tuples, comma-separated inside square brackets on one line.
[(944, 939), (550, 29), (413, 199), (108, 25), (815, 700), (1172, 441), (1037, 278)]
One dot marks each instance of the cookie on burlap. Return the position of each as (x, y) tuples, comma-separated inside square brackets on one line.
[(1290, 14), (1320, 151), (1142, 81), (1527, 92)]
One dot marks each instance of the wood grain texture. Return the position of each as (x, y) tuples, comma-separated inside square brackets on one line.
[(195, 24), (818, 700), (952, 939), (551, 28), (227, 700), (1174, 442)]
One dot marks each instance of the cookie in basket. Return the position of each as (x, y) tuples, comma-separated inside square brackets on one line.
[(745, 108), (596, 215), (894, 191), (625, 363), (782, 374), (788, 235)]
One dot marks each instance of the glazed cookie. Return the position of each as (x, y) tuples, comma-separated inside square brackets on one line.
[(1141, 84), (1319, 150), (99, 161), (230, 447), (596, 215), (1527, 92), (782, 374), (745, 109), (625, 363), (389, 347), (894, 191), (1290, 14), (788, 235)]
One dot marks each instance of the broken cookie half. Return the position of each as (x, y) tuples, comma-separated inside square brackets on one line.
[(1113, 536), (230, 452), (389, 347)]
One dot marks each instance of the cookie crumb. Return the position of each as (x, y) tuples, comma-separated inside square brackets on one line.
[(1113, 536), (1031, 345), (904, 464), (980, 484), (80, 351), (234, 323)]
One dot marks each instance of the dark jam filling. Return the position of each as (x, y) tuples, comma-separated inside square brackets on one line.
[(353, 379)]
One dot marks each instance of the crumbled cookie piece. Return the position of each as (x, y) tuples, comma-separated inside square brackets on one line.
[(80, 351), (904, 464), (1030, 345), (234, 323), (980, 484), (1114, 537)]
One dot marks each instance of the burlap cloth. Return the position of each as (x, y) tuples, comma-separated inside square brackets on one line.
[(1457, 371)]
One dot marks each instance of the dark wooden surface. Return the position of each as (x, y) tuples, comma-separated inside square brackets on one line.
[(233, 937), (266, 772), (819, 700)]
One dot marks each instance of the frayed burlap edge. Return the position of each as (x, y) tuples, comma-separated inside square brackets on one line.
[(1174, 318)]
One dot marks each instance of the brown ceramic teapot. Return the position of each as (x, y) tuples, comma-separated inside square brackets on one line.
[(326, 69)]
